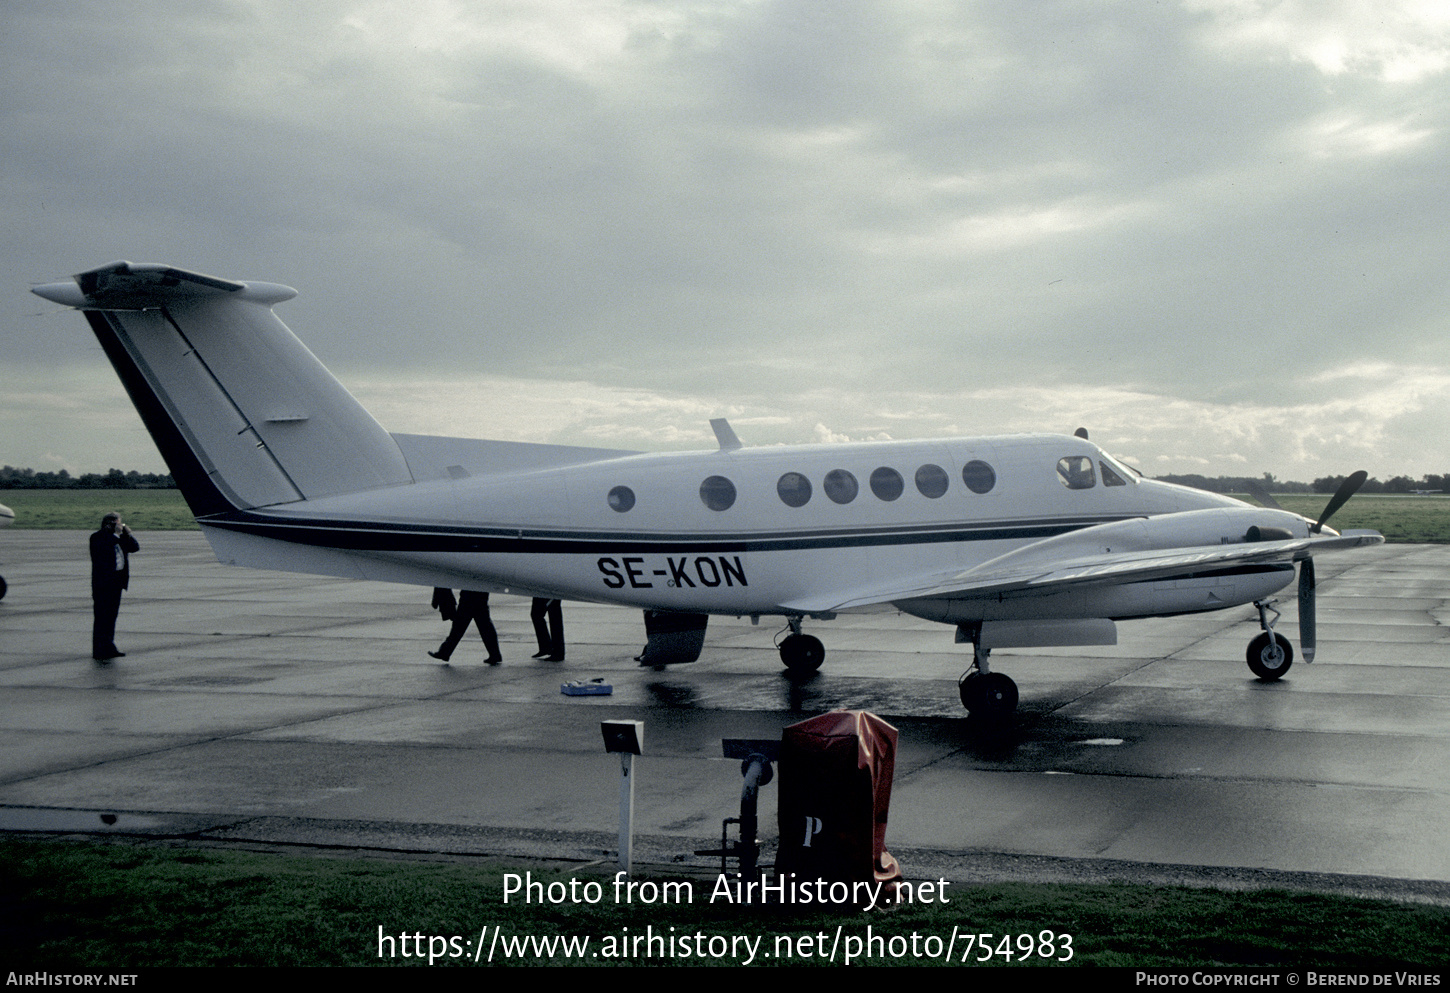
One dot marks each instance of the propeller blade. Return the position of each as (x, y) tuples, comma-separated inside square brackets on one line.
[(1260, 493), (1347, 489), (1306, 610)]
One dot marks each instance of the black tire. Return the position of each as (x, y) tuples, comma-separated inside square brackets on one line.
[(3, 587), (969, 688), (1270, 658), (802, 653), (999, 695)]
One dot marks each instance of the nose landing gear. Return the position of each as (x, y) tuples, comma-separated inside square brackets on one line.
[(1270, 654)]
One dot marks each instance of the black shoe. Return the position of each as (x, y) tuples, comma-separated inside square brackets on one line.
[(494, 660), (440, 658), (553, 658), (539, 655)]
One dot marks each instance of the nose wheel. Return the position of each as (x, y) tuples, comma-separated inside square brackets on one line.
[(1269, 654)]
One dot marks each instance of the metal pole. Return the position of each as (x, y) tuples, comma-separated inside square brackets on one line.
[(626, 811)]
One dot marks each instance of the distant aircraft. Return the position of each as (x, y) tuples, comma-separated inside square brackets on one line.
[(1019, 541)]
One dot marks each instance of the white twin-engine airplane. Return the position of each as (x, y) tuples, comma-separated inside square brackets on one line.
[(1019, 541)]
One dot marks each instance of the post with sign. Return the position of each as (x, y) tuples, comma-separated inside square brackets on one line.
[(626, 738)]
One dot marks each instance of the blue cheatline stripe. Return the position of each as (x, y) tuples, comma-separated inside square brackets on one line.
[(380, 536)]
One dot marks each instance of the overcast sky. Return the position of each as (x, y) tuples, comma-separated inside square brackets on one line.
[(1214, 232)]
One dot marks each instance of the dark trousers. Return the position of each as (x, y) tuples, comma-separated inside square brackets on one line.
[(472, 607), (548, 618), (107, 603)]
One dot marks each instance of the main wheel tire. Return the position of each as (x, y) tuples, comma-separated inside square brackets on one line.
[(1270, 657), (998, 694), (969, 688), (802, 653)]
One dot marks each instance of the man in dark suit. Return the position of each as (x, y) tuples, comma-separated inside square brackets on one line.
[(548, 618), (111, 547), (472, 608)]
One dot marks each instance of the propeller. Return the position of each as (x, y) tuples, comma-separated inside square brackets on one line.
[(1258, 491), (1347, 489), (1306, 610)]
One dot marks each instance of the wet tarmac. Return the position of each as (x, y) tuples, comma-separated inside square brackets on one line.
[(287, 709)]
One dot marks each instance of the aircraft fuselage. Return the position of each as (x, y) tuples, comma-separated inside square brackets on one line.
[(749, 531)]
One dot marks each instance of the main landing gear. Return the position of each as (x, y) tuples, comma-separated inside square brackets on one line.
[(986, 694), (1269, 654), (802, 654)]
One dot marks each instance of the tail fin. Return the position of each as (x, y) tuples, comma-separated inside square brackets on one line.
[(244, 415)]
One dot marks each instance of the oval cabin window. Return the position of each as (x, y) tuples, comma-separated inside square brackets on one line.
[(717, 493), (794, 489), (887, 484), (841, 486), (931, 481), (979, 476)]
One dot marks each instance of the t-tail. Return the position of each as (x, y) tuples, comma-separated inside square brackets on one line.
[(243, 413)]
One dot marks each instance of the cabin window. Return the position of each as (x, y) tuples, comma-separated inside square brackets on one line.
[(841, 486), (932, 481), (717, 493), (1111, 478), (979, 476), (794, 489), (1076, 472), (621, 499), (887, 484)]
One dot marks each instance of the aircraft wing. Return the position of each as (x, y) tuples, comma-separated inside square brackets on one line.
[(1104, 555)]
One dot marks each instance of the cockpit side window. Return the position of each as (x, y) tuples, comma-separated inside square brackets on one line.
[(1076, 472), (1111, 478)]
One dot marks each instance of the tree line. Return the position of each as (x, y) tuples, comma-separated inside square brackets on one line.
[(12, 478), (1324, 484)]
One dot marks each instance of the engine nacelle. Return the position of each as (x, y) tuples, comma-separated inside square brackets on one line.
[(1211, 587)]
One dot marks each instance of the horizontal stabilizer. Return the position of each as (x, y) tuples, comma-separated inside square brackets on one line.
[(147, 286)]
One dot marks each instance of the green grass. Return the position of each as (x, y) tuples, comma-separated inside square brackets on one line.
[(82, 510), (1422, 519), (78, 905)]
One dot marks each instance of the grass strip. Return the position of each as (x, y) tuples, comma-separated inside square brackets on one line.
[(81, 905), (82, 510)]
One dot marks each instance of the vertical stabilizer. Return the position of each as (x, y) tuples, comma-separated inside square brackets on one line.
[(244, 414)]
